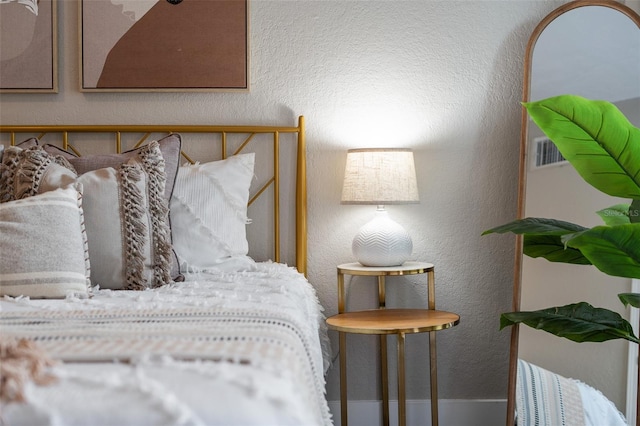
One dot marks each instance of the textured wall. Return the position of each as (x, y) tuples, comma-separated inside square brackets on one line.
[(441, 77)]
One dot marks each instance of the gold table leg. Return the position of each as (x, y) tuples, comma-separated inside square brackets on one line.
[(384, 370), (434, 378), (384, 379), (431, 284), (343, 377), (402, 409)]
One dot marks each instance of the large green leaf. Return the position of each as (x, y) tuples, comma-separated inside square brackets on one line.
[(615, 250), (579, 322), (596, 138), (542, 238), (615, 215), (536, 225), (552, 248), (632, 299)]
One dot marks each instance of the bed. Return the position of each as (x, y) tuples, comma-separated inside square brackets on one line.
[(158, 278)]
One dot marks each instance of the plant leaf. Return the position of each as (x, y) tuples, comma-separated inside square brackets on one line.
[(534, 225), (596, 138), (542, 238), (615, 250), (632, 299), (552, 248), (579, 322), (615, 215)]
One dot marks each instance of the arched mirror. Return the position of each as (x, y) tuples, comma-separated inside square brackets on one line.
[(591, 49)]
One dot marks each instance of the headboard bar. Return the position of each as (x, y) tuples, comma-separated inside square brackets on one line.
[(222, 130), (301, 195), (276, 189), (144, 128), (246, 141)]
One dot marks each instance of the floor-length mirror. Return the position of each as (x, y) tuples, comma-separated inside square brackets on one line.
[(591, 49)]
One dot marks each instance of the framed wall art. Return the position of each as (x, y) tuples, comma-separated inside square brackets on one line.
[(28, 46), (164, 45)]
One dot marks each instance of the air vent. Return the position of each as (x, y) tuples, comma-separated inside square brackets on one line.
[(547, 153)]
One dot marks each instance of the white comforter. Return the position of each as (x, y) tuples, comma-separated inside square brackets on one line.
[(225, 348)]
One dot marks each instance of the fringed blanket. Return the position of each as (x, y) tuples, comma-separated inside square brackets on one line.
[(229, 348), (544, 398), (547, 399), (238, 335)]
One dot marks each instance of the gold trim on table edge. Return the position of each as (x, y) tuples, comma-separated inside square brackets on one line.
[(384, 327)]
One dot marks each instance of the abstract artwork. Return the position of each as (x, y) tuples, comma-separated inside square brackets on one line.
[(28, 40), (164, 45)]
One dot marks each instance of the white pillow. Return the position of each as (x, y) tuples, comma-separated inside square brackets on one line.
[(209, 212), (122, 224), (125, 211), (44, 246)]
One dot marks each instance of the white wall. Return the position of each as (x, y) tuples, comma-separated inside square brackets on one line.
[(441, 77)]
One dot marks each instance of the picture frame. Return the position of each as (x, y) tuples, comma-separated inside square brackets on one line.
[(164, 45), (29, 46)]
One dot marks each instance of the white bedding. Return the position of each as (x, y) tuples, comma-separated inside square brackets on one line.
[(223, 348)]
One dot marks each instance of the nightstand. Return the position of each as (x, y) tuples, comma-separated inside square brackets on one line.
[(384, 322)]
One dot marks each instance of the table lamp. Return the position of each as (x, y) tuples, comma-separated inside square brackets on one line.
[(380, 176)]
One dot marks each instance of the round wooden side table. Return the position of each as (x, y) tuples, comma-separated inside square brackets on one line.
[(383, 322)]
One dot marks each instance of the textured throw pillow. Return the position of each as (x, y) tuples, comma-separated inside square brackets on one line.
[(209, 211), (170, 147), (31, 142), (126, 214), (27, 172), (127, 226), (44, 246)]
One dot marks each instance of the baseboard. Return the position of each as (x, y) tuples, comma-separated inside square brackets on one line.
[(451, 412)]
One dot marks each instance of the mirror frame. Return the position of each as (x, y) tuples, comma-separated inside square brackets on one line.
[(522, 176)]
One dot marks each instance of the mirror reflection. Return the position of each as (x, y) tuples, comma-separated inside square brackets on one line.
[(591, 50)]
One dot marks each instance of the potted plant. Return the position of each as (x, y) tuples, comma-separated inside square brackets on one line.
[(604, 148)]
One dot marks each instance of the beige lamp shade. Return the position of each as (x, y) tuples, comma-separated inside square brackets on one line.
[(380, 176)]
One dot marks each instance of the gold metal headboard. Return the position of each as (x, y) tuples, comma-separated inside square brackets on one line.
[(18, 133)]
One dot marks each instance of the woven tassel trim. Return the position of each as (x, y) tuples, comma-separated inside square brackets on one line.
[(31, 170), (22, 172), (85, 241), (133, 227), (10, 160), (153, 164)]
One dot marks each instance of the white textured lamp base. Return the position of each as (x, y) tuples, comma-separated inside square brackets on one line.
[(382, 242)]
